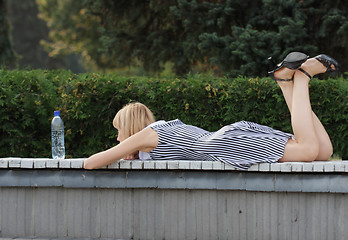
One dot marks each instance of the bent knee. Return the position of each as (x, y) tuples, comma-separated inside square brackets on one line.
[(300, 152), (310, 152), (324, 154)]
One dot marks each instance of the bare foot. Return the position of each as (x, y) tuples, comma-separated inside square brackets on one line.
[(314, 67)]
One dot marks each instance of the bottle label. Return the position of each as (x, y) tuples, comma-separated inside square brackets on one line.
[(58, 149), (58, 138)]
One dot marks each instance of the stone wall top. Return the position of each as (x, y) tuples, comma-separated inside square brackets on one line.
[(77, 163)]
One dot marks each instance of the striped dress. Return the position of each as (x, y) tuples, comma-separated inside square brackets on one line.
[(240, 144)]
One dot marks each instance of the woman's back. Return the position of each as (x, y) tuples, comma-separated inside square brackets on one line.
[(240, 144)]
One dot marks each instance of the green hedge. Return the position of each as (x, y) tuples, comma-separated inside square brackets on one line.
[(88, 103)]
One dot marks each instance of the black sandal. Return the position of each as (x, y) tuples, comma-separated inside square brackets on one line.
[(327, 61), (292, 61)]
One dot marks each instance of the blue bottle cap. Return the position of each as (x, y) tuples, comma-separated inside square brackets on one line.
[(56, 113)]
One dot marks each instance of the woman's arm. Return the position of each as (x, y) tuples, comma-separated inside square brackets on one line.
[(145, 139)]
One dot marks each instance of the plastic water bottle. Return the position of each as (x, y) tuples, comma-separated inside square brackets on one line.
[(57, 133)]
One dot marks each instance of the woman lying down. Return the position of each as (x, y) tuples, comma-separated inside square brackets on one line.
[(240, 144)]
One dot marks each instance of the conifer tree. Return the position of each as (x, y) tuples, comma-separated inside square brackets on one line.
[(26, 33), (228, 36), (7, 55)]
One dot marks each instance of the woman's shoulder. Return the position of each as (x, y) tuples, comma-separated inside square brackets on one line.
[(156, 123), (162, 123)]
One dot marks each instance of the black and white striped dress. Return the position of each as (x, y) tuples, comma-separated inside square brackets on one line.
[(240, 144)]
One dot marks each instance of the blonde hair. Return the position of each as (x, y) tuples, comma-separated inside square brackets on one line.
[(133, 118)]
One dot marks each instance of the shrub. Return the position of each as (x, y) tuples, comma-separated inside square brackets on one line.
[(88, 103)]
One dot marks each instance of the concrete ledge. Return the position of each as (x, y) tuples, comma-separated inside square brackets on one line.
[(277, 177), (77, 163), (176, 179), (50, 199)]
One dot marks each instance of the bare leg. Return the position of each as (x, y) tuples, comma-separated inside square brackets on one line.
[(325, 145), (304, 120)]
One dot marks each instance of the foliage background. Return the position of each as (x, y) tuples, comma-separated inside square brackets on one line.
[(7, 54), (165, 44), (89, 101), (221, 36)]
